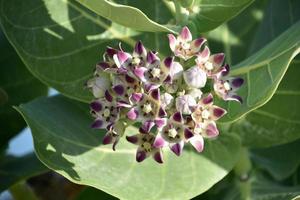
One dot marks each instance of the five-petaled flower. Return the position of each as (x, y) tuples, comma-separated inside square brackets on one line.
[(205, 114), (183, 46), (161, 95), (226, 87), (145, 147)]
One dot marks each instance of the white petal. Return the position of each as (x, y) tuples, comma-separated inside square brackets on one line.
[(99, 85), (195, 93), (166, 100), (176, 70), (184, 104), (195, 77), (116, 60), (198, 142)]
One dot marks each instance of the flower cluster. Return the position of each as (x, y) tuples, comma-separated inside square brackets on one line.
[(163, 96)]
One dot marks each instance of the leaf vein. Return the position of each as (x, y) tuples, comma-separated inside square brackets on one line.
[(270, 115)]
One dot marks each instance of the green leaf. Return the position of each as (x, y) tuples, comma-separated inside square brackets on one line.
[(212, 13), (296, 198), (14, 169), (238, 39), (261, 186), (127, 16), (17, 86), (274, 123), (64, 142), (275, 24), (280, 161), (263, 72), (203, 15), (266, 189), (66, 41), (235, 37), (278, 121)]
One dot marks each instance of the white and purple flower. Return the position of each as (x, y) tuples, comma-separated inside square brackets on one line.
[(162, 95), (183, 46), (176, 133), (226, 86), (210, 64), (205, 115), (145, 147)]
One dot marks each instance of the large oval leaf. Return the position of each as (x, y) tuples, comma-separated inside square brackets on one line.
[(66, 45), (259, 186), (125, 15), (65, 41), (203, 15), (276, 161), (239, 41), (274, 24), (278, 121), (65, 143), (263, 72), (235, 37), (17, 86), (212, 13), (267, 189), (274, 123)]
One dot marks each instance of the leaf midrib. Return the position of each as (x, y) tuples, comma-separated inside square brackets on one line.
[(276, 117)]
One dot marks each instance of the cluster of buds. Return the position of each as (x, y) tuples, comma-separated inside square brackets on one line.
[(162, 96)]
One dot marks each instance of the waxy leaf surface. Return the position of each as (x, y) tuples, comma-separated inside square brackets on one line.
[(263, 72), (65, 143), (17, 86), (127, 16), (60, 42), (277, 122), (280, 161)]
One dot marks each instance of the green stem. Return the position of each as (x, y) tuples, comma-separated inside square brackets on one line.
[(170, 6), (178, 13), (242, 171)]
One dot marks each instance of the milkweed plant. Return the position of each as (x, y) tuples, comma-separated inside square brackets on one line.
[(207, 90)]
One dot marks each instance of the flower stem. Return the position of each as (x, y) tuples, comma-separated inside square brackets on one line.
[(178, 13), (242, 171)]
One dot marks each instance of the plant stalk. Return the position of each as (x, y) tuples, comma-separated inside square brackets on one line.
[(178, 14), (242, 171)]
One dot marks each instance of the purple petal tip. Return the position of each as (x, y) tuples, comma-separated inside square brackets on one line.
[(132, 139), (237, 82), (158, 157), (97, 124), (96, 106), (177, 117), (168, 62), (176, 148), (140, 156)]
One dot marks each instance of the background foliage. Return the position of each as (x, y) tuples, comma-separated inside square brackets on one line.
[(59, 42)]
